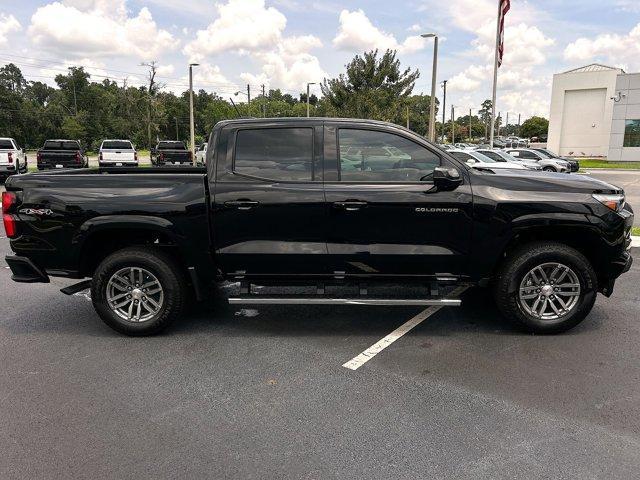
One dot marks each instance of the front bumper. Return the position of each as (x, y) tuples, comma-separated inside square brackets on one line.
[(25, 271)]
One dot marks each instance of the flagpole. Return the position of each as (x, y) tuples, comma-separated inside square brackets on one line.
[(495, 76)]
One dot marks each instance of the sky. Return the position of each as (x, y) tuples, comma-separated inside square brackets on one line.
[(287, 43)]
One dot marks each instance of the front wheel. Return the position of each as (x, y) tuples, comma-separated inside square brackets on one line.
[(138, 291), (546, 288), (549, 169)]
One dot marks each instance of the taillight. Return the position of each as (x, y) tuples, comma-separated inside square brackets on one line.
[(162, 157), (135, 156), (9, 225), (10, 157), (38, 156), (78, 157), (8, 201), (101, 157)]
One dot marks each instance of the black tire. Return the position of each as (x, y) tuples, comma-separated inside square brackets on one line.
[(549, 169), (168, 274), (521, 262)]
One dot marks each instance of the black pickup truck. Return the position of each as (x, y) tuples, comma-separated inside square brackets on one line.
[(171, 153), (320, 202), (61, 154)]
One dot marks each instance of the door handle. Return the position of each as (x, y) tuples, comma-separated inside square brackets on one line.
[(242, 204), (350, 205)]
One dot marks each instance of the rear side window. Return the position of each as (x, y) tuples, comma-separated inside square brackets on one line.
[(117, 145), (283, 154), (6, 145), (61, 145), (373, 156)]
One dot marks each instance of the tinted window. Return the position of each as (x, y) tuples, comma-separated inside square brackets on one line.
[(172, 146), (493, 156), (367, 155), (632, 133), (529, 155), (61, 145), (275, 153), (6, 145), (117, 145), (514, 154)]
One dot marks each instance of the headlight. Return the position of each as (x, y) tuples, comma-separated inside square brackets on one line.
[(613, 201)]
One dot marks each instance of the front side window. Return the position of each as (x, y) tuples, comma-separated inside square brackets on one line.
[(632, 133), (372, 156), (282, 154)]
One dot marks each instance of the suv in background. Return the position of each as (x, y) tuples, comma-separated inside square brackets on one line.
[(547, 164), (500, 156), (574, 164), (12, 158)]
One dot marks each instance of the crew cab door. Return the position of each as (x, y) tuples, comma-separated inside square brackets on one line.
[(385, 215), (269, 215)]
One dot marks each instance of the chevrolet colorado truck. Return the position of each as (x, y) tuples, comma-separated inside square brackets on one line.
[(319, 203)]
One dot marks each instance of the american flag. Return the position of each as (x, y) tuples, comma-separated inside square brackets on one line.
[(505, 6)]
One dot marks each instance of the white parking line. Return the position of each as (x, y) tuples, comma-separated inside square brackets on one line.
[(356, 362)]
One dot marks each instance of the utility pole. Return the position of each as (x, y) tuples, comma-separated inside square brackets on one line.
[(519, 118), (470, 135), (308, 101), (264, 103), (177, 134), (407, 116), (444, 108), (453, 124), (249, 99), (191, 121), (507, 123)]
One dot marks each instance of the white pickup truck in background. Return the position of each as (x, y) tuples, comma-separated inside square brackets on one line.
[(117, 153), (201, 154), (12, 158)]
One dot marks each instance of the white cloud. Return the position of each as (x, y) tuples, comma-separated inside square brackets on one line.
[(611, 48), (8, 25), (98, 28), (251, 29), (357, 34), (242, 26), (165, 70)]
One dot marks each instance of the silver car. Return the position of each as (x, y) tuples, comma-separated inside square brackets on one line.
[(478, 160), (500, 156), (547, 164)]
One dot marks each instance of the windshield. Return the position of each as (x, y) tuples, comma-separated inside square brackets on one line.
[(482, 158), (6, 145), (171, 146), (545, 153), (116, 145), (61, 145)]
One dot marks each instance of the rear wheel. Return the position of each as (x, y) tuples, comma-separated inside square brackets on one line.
[(546, 288), (138, 291)]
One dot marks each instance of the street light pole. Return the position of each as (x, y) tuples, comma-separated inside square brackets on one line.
[(453, 124), (434, 75), (191, 121), (444, 109), (308, 102)]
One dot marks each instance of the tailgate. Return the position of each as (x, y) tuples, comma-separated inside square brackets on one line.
[(118, 156), (4, 158), (58, 159)]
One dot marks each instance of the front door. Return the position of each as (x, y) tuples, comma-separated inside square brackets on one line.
[(269, 215), (386, 216)]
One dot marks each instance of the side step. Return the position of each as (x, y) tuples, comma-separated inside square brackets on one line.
[(293, 300)]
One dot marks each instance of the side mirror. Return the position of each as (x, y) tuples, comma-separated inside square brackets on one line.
[(445, 178)]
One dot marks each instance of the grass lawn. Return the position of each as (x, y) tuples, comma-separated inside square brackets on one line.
[(635, 231), (599, 163)]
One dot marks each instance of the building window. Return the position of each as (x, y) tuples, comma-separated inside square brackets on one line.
[(632, 133)]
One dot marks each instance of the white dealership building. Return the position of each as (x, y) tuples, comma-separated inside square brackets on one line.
[(595, 112)]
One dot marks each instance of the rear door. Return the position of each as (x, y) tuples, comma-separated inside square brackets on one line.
[(385, 215), (269, 215)]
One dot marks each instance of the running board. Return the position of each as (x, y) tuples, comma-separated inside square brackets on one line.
[(396, 302)]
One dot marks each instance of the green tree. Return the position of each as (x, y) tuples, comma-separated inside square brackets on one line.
[(373, 87), (485, 116), (534, 127)]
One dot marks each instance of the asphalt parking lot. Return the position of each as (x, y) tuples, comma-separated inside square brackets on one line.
[(262, 393)]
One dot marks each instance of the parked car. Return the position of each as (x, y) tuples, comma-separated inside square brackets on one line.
[(574, 164), (61, 154), (171, 152), (500, 156), (12, 158), (478, 160), (276, 207), (548, 164), (117, 153), (201, 154)]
